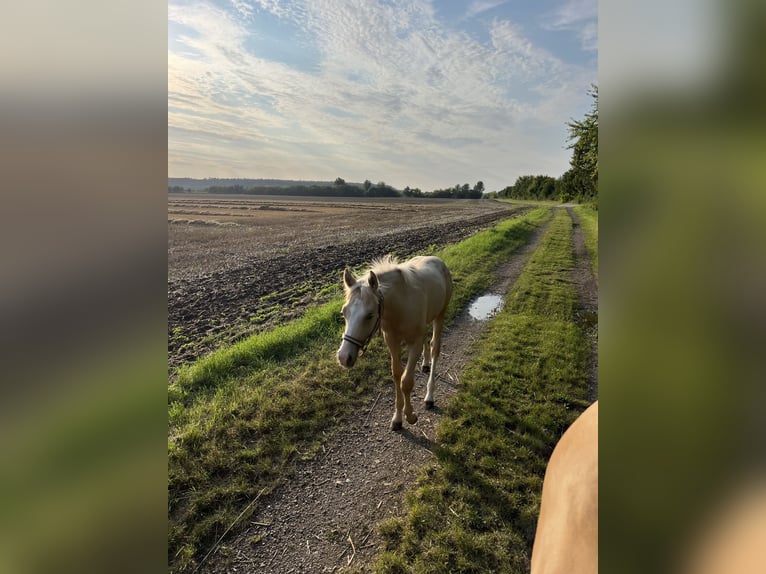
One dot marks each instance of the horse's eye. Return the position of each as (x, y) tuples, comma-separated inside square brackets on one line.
[(369, 316)]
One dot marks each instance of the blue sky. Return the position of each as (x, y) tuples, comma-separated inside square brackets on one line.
[(425, 93)]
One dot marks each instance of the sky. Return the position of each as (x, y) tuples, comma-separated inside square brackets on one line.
[(418, 93)]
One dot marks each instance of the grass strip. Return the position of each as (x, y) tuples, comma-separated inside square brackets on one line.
[(589, 223), (474, 509), (240, 417)]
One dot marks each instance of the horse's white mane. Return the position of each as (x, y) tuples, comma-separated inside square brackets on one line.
[(387, 265), (382, 264)]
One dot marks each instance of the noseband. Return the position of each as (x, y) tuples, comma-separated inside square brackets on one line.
[(362, 345)]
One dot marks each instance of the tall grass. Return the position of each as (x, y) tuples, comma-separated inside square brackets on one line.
[(475, 507), (240, 417)]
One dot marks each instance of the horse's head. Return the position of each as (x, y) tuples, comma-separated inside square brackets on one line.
[(362, 312)]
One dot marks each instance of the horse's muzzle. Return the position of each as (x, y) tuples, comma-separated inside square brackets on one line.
[(346, 358)]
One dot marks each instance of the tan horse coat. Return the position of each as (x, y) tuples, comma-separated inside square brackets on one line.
[(566, 541), (413, 294)]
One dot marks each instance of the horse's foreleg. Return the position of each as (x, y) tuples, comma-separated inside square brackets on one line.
[(436, 347), (408, 379), (394, 348)]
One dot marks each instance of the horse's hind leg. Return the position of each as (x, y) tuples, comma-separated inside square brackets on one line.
[(436, 347), (426, 355)]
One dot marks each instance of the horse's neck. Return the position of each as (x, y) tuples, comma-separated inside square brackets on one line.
[(391, 285), (390, 279)]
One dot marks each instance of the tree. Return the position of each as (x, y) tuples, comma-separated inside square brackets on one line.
[(479, 186), (367, 185), (584, 137), (382, 190), (575, 185), (340, 182), (412, 192), (531, 187)]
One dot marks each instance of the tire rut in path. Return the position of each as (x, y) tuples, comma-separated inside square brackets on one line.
[(362, 473), (587, 298)]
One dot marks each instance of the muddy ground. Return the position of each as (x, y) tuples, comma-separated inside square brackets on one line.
[(324, 519), (237, 265)]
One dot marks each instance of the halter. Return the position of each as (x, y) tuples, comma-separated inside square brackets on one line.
[(362, 345)]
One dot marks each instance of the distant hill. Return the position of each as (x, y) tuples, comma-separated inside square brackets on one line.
[(202, 184)]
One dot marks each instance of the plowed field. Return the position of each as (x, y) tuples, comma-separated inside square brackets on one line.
[(237, 264)]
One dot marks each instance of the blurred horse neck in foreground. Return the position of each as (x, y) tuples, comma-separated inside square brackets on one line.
[(400, 300), (566, 541)]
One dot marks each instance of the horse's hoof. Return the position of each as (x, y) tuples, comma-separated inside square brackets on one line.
[(395, 426), (426, 368), (429, 404), (412, 419)]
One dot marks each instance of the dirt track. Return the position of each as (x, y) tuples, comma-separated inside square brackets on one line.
[(223, 295), (324, 519)]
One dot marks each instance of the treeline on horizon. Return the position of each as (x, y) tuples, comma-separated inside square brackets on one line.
[(340, 189), (572, 186)]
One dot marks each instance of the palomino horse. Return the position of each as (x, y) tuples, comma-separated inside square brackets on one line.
[(566, 541), (400, 299)]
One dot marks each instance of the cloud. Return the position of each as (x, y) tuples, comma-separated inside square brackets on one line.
[(589, 36), (215, 29), (396, 96), (532, 74), (245, 10), (507, 36), (286, 10), (479, 6), (580, 16), (574, 12)]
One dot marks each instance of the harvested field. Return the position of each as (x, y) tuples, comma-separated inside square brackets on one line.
[(237, 264)]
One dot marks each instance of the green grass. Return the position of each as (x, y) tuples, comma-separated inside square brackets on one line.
[(474, 509), (535, 202), (589, 223), (240, 417)]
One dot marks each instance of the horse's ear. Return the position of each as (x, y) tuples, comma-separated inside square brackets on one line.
[(373, 280), (348, 278)]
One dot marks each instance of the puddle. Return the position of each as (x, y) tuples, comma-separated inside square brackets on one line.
[(485, 306)]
